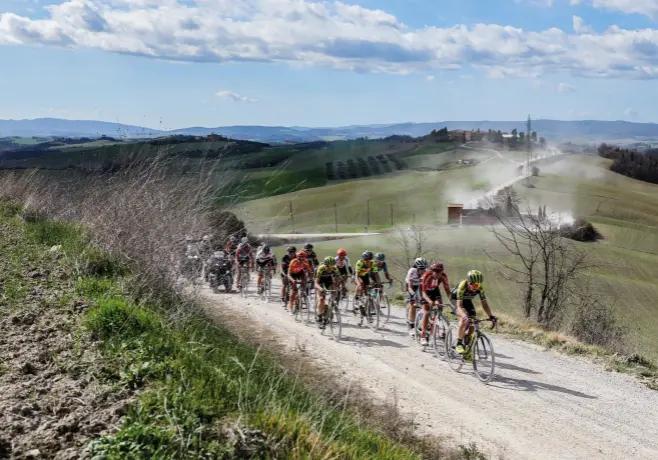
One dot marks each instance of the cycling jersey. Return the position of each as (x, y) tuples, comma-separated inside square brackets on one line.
[(413, 277), (461, 292), (266, 259), (363, 267), (326, 273), (431, 281), (244, 254), (298, 266), (312, 257), (383, 268), (344, 265), (285, 263)]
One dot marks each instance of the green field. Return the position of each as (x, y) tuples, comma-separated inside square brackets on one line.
[(415, 196), (624, 210)]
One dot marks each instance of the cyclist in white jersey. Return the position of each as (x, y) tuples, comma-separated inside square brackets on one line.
[(413, 280)]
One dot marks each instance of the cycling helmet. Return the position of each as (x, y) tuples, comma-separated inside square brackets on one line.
[(420, 263), (232, 239), (266, 249), (205, 238), (367, 255), (475, 276), (301, 255), (341, 253), (380, 256), (291, 249), (436, 266), (330, 260), (242, 245), (245, 240), (308, 246)]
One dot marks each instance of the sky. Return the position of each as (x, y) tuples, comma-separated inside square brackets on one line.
[(179, 63)]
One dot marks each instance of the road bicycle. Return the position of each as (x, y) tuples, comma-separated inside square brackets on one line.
[(265, 288), (385, 304), (437, 328), (302, 303), (478, 350), (243, 280), (331, 315), (369, 306)]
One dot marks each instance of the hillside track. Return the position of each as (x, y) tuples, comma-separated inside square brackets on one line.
[(541, 405)]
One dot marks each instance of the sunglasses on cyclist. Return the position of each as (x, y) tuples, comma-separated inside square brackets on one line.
[(475, 286)]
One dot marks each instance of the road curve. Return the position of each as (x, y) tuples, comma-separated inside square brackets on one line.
[(541, 405)]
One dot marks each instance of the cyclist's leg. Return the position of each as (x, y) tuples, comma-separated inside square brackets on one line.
[(467, 310), (424, 321), (321, 300)]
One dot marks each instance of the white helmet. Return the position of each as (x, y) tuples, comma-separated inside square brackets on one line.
[(206, 238), (245, 240)]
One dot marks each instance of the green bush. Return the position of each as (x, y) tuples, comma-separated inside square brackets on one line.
[(96, 262), (52, 233), (10, 207), (116, 318)]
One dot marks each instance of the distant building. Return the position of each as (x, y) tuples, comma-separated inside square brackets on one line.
[(460, 135)]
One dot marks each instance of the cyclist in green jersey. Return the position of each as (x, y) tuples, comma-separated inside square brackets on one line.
[(325, 279), (363, 268), (464, 293)]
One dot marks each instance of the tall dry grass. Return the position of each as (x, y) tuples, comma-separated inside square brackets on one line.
[(141, 214)]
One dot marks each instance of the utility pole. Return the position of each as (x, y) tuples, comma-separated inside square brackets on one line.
[(336, 217), (368, 210), (528, 156), (391, 214), (292, 216)]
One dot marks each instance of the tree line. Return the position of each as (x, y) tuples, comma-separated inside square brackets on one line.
[(638, 165)]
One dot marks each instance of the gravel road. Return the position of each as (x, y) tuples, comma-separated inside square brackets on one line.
[(541, 405)]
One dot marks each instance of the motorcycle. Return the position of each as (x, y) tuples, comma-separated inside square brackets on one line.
[(220, 275)]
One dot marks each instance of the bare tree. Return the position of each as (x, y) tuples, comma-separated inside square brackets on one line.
[(548, 267), (413, 242)]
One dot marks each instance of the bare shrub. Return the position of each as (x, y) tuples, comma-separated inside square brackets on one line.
[(548, 268), (581, 230), (413, 242), (595, 323), (141, 214)]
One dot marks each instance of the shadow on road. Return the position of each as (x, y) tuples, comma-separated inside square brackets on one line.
[(512, 367), (509, 383), (372, 342)]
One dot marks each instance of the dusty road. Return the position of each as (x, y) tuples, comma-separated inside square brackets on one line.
[(541, 405)]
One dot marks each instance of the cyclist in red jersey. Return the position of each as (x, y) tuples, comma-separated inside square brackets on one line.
[(431, 294)]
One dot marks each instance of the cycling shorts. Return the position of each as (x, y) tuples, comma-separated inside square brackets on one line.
[(243, 262), (326, 283), (469, 307), (434, 295), (297, 276), (365, 279), (342, 271)]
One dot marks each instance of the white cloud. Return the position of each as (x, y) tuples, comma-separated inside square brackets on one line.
[(631, 114), (430, 78), (580, 27), (565, 88), (536, 2), (230, 96), (644, 7), (329, 34)]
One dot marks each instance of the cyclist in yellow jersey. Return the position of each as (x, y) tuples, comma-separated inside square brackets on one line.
[(365, 269), (326, 278), (464, 293)]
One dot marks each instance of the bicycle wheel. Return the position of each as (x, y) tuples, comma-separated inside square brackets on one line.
[(372, 313), (308, 309), (386, 310), (298, 312), (484, 361), (335, 325), (455, 360), (244, 283), (439, 335)]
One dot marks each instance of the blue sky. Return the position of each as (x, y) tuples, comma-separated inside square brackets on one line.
[(177, 63)]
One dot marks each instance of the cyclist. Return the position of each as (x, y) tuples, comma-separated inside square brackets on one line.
[(266, 260), (325, 279), (244, 258), (431, 293), (412, 282), (344, 267), (291, 252), (464, 293), (298, 270), (382, 267), (311, 256), (230, 245), (364, 267)]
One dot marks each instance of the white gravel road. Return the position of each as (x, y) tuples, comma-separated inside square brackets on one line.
[(541, 405)]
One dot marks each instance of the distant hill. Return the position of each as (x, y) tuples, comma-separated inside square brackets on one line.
[(584, 130)]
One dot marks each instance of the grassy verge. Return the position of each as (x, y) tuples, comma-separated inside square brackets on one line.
[(200, 392)]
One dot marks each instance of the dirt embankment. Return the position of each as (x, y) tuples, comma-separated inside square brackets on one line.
[(52, 399)]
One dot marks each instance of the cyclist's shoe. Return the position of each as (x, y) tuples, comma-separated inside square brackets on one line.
[(283, 300), (424, 341), (460, 349)]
